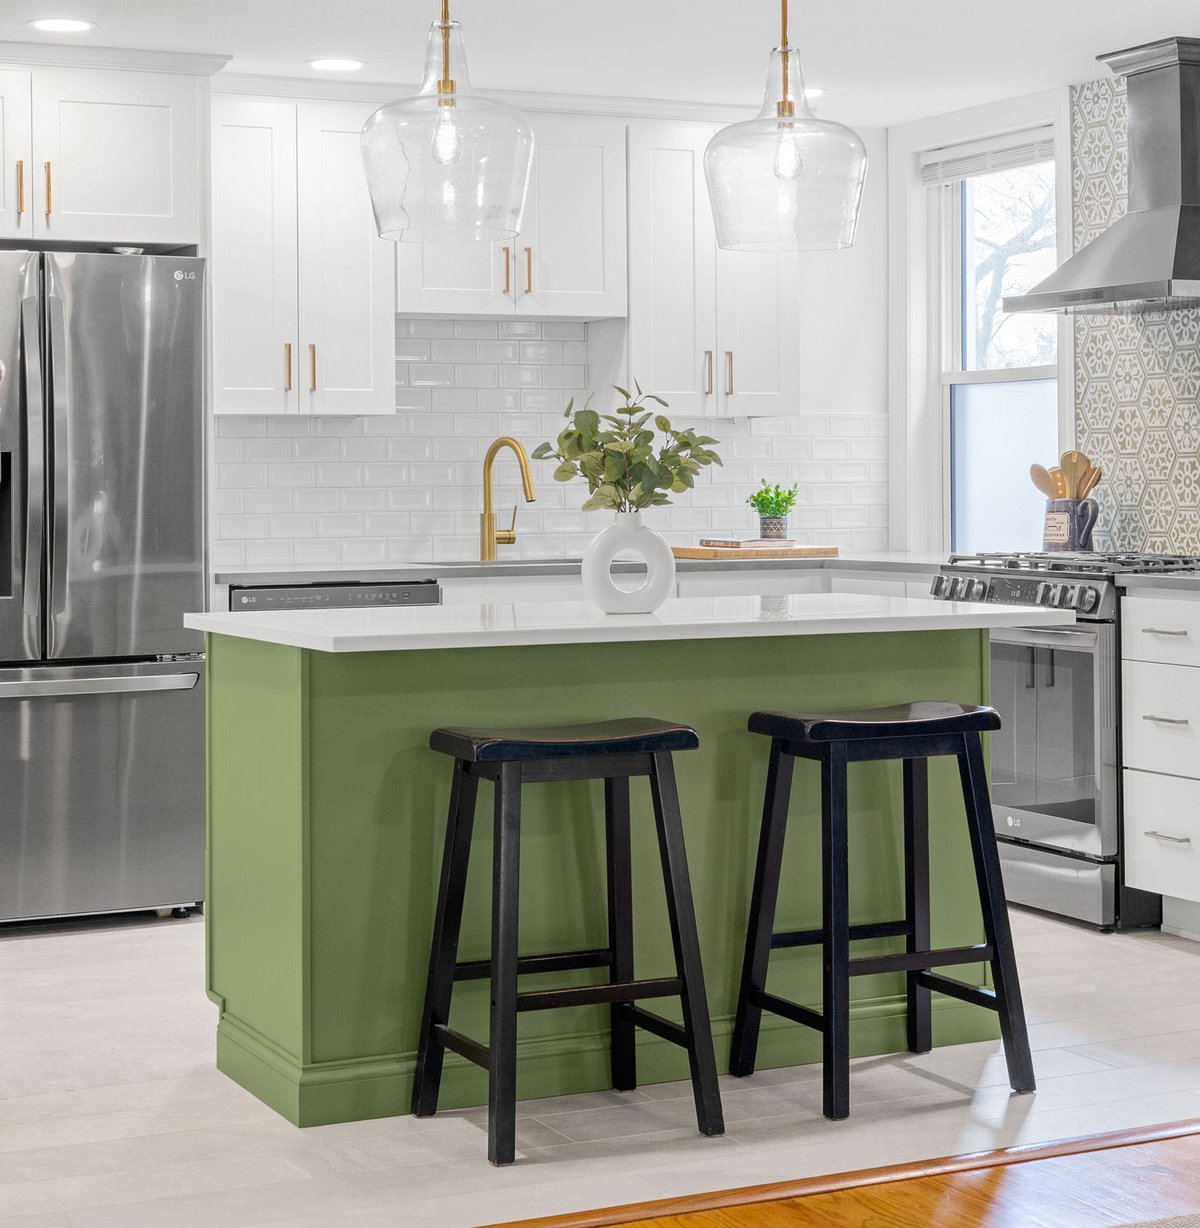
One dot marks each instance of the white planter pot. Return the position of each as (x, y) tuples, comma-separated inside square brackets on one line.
[(628, 535)]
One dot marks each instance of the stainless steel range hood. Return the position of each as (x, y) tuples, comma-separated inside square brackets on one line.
[(1149, 260)]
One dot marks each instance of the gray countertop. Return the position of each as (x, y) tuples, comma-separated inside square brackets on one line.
[(894, 561)]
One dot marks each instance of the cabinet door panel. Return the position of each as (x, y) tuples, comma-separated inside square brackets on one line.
[(347, 282), (254, 257), (16, 157), (455, 279), (572, 257), (122, 153), (672, 267), (758, 299)]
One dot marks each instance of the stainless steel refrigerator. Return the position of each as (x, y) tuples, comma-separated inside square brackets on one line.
[(101, 554)]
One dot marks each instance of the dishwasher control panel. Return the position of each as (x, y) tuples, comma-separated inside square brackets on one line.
[(334, 596)]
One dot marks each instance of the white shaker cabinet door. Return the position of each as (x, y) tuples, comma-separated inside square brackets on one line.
[(571, 257), (346, 276), (758, 331), (672, 267), (16, 157), (118, 156), (256, 355), (468, 279)]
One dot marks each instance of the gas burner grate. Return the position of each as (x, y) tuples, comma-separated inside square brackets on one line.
[(1079, 563)]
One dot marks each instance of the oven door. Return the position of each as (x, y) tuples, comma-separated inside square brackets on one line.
[(1054, 761)]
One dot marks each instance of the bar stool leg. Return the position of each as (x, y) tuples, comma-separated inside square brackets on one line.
[(995, 916), (620, 928), (763, 900), (835, 942), (916, 898), (447, 925), (686, 942), (502, 1044)]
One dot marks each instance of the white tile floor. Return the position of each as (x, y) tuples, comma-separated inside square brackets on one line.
[(112, 1115)]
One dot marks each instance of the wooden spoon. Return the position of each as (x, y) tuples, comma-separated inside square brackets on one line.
[(1089, 481), (1059, 481), (1042, 480), (1075, 468)]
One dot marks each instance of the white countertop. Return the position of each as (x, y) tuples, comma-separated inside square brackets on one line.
[(578, 622)]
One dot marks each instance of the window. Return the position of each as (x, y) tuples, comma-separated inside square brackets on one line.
[(994, 213)]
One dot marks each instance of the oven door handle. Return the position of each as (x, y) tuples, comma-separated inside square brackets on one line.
[(1086, 640)]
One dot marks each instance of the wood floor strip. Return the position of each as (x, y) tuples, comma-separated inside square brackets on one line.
[(667, 1213)]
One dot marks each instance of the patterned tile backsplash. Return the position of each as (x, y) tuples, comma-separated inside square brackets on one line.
[(1137, 377), (316, 492)]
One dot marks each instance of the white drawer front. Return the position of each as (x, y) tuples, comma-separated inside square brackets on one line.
[(1160, 719), (1162, 834), (1163, 629)]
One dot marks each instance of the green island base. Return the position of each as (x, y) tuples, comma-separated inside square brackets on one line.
[(327, 812)]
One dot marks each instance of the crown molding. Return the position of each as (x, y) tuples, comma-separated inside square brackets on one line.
[(567, 104), (54, 55)]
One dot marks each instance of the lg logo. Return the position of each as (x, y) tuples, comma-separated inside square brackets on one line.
[(180, 275), (1013, 822)]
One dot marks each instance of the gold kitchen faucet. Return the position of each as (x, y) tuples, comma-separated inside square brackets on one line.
[(489, 536)]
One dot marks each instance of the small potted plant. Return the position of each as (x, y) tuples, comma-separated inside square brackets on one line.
[(630, 459), (773, 503)]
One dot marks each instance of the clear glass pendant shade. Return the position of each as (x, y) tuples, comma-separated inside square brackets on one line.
[(786, 180), (447, 166)]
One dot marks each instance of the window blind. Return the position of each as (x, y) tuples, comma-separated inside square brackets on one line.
[(1003, 153)]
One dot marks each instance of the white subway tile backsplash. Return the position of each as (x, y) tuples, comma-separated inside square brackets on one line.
[(344, 492)]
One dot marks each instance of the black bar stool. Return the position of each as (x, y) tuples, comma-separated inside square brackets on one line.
[(913, 733), (612, 751)]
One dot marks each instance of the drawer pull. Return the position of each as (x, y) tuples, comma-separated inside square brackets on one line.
[(1162, 835), (1167, 720), (1161, 631)]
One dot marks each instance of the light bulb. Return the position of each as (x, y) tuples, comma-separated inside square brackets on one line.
[(447, 143), (788, 163)]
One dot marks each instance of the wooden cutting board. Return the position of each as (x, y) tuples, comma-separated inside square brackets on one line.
[(755, 552)]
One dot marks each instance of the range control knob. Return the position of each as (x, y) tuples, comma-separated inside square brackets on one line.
[(940, 584), (1089, 598), (1047, 594), (978, 590), (1067, 596)]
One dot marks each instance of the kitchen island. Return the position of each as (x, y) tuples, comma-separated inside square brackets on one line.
[(327, 810)]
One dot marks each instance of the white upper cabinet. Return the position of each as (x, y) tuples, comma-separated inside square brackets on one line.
[(712, 332), (303, 291), (347, 276), (569, 260), (672, 267), (254, 245), (16, 156), (117, 156)]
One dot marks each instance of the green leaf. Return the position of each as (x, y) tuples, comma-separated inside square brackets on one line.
[(542, 451), (565, 472)]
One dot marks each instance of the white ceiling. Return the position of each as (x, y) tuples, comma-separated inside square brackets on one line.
[(880, 61)]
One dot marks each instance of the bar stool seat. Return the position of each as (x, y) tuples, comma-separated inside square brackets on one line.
[(913, 733), (613, 751)]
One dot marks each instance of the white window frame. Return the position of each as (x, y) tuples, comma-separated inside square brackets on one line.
[(919, 394)]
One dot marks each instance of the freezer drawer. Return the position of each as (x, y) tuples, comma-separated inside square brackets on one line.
[(102, 800)]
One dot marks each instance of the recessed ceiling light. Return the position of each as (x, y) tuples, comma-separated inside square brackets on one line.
[(813, 93), (336, 65), (62, 25)]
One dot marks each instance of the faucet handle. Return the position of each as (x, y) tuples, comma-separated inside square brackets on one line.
[(508, 537)]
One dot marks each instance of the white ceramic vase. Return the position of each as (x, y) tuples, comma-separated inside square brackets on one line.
[(628, 535)]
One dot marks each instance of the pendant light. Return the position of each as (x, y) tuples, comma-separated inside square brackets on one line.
[(446, 165), (785, 181)]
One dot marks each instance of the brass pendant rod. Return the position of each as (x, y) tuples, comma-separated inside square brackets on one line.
[(445, 85), (786, 105)]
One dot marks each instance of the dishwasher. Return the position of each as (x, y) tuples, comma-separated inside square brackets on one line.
[(344, 595)]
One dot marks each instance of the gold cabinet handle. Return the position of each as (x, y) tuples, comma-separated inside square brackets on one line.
[(708, 373), (529, 270), (287, 366), (729, 373), (507, 269), (312, 368), (49, 190), (20, 187)]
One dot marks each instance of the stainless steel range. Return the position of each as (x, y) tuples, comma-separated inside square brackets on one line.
[(1056, 762)]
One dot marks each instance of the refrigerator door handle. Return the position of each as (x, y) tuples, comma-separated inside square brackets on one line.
[(59, 411), (35, 409), (53, 687)]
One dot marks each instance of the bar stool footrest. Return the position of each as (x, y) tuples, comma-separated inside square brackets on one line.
[(464, 1046), (956, 989), (591, 995), (921, 961), (665, 1029), (531, 965), (788, 1010), (811, 938)]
